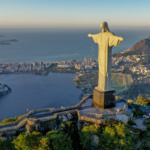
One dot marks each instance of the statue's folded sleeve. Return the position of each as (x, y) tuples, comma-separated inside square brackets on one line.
[(114, 40)]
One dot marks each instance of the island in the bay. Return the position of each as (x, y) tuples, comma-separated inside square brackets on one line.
[(7, 42)]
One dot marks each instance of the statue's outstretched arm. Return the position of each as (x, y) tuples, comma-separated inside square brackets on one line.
[(90, 35), (120, 38), (94, 36)]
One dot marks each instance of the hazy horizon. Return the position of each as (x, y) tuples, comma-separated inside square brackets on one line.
[(73, 14), (73, 29)]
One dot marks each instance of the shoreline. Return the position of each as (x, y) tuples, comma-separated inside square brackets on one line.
[(72, 66), (140, 74), (19, 68)]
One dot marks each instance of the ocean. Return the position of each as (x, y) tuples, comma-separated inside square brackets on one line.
[(53, 46), (56, 89)]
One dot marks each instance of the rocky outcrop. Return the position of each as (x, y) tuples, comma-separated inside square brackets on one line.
[(140, 48), (4, 89)]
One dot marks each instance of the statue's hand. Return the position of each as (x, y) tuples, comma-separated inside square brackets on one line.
[(121, 38), (89, 35)]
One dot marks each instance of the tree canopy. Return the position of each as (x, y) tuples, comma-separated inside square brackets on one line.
[(105, 136)]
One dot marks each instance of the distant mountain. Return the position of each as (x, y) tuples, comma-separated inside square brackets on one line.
[(7, 42), (140, 48)]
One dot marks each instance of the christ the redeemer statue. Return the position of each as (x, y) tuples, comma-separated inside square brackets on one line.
[(105, 40)]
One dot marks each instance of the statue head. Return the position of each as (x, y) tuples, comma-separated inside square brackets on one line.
[(104, 27)]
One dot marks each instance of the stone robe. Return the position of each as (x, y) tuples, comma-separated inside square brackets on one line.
[(105, 41)]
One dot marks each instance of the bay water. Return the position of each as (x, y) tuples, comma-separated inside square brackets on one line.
[(36, 92)]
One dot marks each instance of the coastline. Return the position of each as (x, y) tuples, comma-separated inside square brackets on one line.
[(25, 67)]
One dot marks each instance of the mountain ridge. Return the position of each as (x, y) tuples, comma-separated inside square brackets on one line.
[(140, 48)]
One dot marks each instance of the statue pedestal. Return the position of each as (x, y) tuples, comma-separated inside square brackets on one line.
[(103, 99)]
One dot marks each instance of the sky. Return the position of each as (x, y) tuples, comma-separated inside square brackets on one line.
[(73, 13)]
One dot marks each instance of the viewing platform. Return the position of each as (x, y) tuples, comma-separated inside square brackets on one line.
[(51, 119)]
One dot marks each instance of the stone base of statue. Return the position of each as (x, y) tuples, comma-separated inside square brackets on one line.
[(103, 99)]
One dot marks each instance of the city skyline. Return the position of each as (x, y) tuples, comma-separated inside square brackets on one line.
[(73, 14)]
